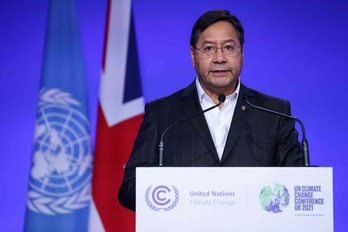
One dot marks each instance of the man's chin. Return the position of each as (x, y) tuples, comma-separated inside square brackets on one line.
[(224, 84)]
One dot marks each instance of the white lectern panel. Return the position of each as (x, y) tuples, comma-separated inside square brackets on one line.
[(234, 199)]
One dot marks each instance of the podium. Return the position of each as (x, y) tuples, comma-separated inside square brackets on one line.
[(241, 199)]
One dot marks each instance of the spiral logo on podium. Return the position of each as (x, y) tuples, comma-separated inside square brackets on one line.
[(162, 197)]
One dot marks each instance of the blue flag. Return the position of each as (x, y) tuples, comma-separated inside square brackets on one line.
[(60, 176)]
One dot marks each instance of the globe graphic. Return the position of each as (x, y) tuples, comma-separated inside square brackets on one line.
[(274, 198)]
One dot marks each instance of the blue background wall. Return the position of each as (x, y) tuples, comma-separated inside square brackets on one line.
[(295, 50)]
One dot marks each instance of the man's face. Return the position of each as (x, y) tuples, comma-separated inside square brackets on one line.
[(218, 73)]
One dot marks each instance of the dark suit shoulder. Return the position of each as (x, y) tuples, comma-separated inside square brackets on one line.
[(167, 99), (263, 96), (265, 100), (174, 98)]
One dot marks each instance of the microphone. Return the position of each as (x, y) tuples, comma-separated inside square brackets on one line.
[(221, 99), (305, 151)]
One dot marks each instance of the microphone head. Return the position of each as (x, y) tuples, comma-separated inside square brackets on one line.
[(245, 97), (222, 98)]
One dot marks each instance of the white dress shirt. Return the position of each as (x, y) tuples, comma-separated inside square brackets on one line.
[(219, 120)]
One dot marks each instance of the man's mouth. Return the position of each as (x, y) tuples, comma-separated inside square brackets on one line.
[(220, 71)]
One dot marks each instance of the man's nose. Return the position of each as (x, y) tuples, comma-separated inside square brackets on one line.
[(219, 56)]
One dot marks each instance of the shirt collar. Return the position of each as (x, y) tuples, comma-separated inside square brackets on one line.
[(203, 96)]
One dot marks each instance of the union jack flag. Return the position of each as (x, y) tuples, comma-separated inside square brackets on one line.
[(120, 113)]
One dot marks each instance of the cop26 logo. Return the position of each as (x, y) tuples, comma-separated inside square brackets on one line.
[(62, 158), (274, 198), (162, 197)]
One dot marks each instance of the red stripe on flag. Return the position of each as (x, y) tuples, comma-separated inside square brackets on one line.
[(112, 150)]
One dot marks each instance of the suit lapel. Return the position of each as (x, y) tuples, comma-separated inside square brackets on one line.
[(191, 107), (241, 115)]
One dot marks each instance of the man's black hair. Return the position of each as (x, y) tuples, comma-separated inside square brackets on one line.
[(212, 17)]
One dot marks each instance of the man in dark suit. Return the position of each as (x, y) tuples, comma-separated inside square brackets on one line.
[(232, 135)]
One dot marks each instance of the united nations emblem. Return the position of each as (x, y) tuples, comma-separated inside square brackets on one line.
[(62, 158)]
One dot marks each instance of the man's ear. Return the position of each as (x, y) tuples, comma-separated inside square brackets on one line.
[(192, 52)]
